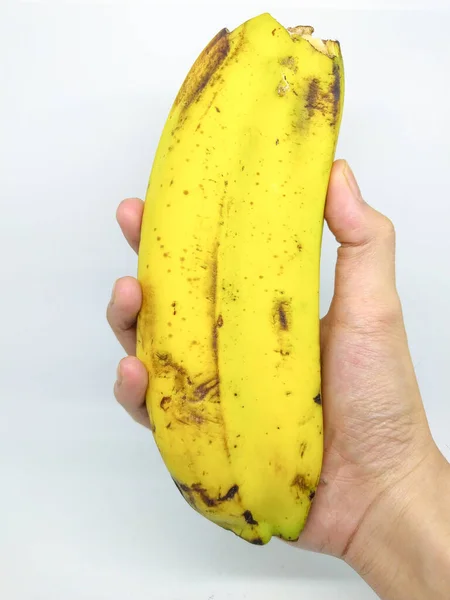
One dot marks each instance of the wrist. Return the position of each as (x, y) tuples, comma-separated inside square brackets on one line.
[(402, 546)]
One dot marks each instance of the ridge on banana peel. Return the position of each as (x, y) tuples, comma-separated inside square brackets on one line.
[(229, 267)]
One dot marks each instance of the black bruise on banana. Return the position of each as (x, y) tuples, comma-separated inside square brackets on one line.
[(230, 494), (249, 518), (203, 69), (318, 399), (190, 493), (257, 542)]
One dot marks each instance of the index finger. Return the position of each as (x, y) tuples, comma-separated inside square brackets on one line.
[(129, 216)]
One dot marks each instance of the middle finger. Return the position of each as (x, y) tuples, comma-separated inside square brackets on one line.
[(123, 310)]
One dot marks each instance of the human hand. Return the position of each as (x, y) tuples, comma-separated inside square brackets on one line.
[(122, 311), (378, 447)]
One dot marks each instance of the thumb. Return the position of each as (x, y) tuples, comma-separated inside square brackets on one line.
[(365, 269)]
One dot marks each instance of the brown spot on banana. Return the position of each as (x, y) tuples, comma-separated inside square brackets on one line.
[(203, 69), (184, 387), (299, 482), (281, 318), (197, 418), (146, 320), (335, 91), (164, 364), (302, 487), (190, 417), (327, 102), (281, 314), (209, 387), (283, 87), (290, 62), (164, 404), (313, 100), (215, 324)]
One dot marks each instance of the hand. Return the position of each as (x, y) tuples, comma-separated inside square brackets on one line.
[(378, 447), (123, 308)]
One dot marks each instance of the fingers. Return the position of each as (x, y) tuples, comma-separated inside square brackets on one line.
[(129, 217), (122, 312), (365, 270), (130, 389)]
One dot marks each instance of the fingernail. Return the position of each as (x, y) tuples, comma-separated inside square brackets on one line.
[(352, 183), (119, 376), (113, 294)]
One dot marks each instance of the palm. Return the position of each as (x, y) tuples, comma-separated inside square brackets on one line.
[(367, 429)]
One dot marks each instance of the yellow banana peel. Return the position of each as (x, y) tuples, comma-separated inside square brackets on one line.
[(229, 265)]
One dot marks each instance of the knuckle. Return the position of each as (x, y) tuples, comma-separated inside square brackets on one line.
[(138, 418), (119, 323), (114, 322), (123, 402), (385, 318), (383, 321), (109, 316), (117, 394), (386, 228), (377, 317)]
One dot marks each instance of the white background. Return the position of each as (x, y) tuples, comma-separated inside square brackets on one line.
[(87, 509)]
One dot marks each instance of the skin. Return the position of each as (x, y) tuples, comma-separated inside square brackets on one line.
[(378, 506)]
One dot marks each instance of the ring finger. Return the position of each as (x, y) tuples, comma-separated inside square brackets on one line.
[(122, 312)]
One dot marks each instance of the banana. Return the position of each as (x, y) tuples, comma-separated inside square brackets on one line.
[(229, 265)]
